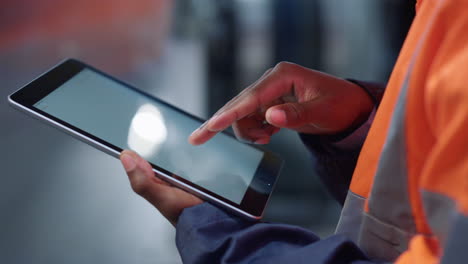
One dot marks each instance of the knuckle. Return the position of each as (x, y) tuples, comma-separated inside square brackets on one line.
[(284, 66), (139, 186), (244, 139), (296, 110), (267, 71), (241, 134)]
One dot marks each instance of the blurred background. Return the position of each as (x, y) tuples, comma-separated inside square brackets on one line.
[(61, 201)]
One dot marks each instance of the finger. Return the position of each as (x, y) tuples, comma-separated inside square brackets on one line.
[(144, 183), (201, 134), (313, 114), (242, 94), (262, 141), (248, 129), (275, 84), (248, 103), (169, 200), (142, 178), (243, 127), (262, 136), (251, 130), (254, 127)]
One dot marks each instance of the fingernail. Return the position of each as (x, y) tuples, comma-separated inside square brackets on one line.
[(277, 116), (204, 124), (211, 122), (128, 162), (194, 133), (199, 128)]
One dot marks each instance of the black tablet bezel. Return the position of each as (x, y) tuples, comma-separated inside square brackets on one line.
[(259, 190)]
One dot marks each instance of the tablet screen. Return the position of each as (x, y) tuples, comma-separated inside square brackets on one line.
[(130, 120)]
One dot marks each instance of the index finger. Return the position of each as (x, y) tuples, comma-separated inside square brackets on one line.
[(270, 88)]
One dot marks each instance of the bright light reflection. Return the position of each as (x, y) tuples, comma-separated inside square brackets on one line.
[(147, 131)]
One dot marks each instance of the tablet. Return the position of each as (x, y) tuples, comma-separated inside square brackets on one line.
[(111, 115)]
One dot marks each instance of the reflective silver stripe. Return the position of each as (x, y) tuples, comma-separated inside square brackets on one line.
[(382, 241), (440, 211), (389, 198), (456, 249), (351, 217), (385, 231)]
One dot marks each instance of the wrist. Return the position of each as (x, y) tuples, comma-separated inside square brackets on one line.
[(374, 90)]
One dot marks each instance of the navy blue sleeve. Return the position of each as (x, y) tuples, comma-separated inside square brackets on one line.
[(374, 90), (206, 234), (334, 161)]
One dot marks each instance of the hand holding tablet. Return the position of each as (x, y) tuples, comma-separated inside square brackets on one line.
[(169, 200), (112, 116)]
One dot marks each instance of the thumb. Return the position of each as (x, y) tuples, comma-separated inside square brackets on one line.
[(141, 176), (291, 115), (170, 201)]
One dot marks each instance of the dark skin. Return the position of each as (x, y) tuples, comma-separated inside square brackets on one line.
[(286, 96), (169, 200)]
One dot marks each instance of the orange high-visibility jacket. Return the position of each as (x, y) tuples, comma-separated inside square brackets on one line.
[(408, 199)]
